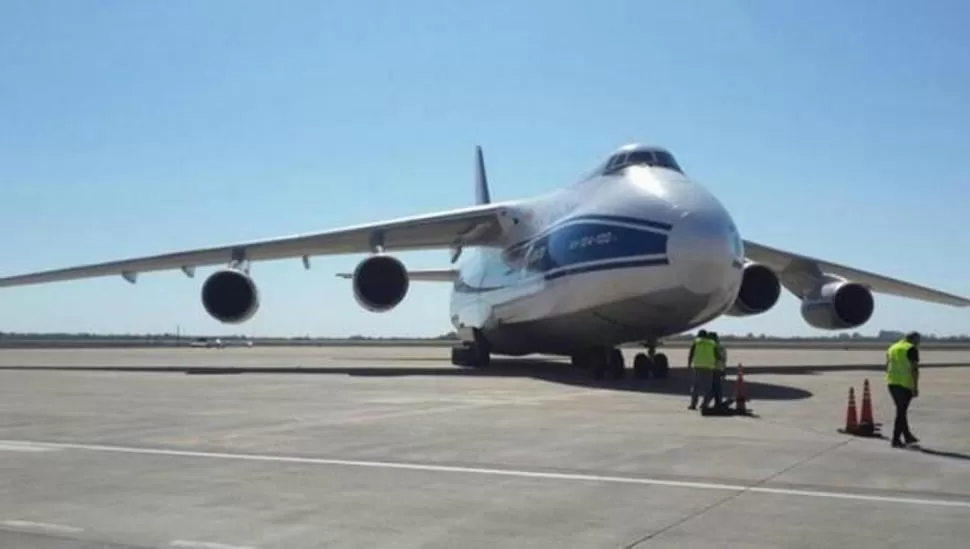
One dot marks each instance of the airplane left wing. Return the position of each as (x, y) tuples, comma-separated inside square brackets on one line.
[(801, 273), (476, 225)]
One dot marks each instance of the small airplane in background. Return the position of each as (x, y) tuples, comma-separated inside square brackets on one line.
[(633, 252)]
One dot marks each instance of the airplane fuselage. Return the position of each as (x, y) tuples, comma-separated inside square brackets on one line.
[(635, 255)]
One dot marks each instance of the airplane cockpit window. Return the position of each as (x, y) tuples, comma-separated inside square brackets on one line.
[(658, 158)]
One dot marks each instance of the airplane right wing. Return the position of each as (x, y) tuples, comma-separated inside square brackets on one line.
[(801, 273), (427, 275), (472, 226)]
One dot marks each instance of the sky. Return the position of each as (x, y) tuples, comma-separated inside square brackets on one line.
[(834, 129)]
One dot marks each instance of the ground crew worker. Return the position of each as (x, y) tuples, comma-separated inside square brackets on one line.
[(702, 360), (720, 370), (902, 377)]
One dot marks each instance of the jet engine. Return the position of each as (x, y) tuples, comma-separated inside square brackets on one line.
[(759, 292), (380, 283), (838, 305), (230, 296)]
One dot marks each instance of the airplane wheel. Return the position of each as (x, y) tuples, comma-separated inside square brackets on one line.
[(459, 356), (482, 357), (597, 363), (615, 364), (641, 366), (661, 366), (470, 355)]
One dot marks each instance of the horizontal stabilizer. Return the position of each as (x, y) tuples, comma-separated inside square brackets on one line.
[(429, 275)]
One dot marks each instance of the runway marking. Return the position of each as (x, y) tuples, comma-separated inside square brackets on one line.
[(503, 472), (45, 526), (189, 544), (4, 447)]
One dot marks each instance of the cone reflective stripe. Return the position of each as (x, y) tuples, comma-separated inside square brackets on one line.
[(866, 415), (851, 423)]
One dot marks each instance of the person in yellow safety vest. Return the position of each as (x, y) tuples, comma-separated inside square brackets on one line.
[(719, 371), (702, 360), (902, 377)]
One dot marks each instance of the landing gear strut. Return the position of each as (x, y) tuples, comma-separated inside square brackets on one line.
[(601, 362), (651, 363)]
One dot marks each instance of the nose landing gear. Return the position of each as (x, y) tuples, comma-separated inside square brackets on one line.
[(601, 362), (651, 363)]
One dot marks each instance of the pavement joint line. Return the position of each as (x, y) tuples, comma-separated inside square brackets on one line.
[(629, 480), (713, 505), (44, 526)]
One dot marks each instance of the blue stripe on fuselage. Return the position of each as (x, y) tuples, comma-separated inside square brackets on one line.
[(464, 288), (598, 220), (598, 267), (586, 242), (588, 245)]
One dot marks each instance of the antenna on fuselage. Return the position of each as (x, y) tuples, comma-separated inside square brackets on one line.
[(481, 181)]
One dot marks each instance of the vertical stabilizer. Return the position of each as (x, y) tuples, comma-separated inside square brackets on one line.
[(481, 181)]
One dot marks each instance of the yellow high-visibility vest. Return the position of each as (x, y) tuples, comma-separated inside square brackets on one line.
[(899, 371), (705, 354)]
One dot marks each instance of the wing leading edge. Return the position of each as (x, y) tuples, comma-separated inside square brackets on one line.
[(801, 273), (472, 226)]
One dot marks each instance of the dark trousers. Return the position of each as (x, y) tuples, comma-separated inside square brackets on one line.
[(901, 397), (718, 389), (703, 381)]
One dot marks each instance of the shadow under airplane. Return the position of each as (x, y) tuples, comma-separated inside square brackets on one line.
[(677, 383)]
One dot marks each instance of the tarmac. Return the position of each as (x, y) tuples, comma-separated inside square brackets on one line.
[(259, 448)]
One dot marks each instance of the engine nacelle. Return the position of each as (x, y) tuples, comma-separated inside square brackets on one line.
[(230, 296), (760, 290), (838, 305), (380, 283)]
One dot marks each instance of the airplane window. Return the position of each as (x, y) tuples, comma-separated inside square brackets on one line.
[(642, 157), (615, 164), (647, 158), (666, 160), (654, 158)]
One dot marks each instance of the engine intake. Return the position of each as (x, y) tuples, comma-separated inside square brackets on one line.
[(380, 283), (838, 305), (230, 296), (759, 292)]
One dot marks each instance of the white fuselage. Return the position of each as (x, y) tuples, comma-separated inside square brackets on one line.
[(634, 256)]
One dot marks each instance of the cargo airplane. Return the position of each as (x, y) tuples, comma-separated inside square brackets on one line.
[(634, 251)]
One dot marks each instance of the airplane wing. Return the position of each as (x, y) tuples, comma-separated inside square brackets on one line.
[(429, 275), (476, 225), (801, 273)]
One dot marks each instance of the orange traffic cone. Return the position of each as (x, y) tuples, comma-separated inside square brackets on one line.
[(851, 423), (867, 427), (740, 391), (866, 417)]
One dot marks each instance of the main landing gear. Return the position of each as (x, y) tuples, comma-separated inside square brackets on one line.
[(470, 354), (651, 363), (601, 362)]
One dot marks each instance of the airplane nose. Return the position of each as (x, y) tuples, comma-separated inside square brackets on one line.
[(703, 247)]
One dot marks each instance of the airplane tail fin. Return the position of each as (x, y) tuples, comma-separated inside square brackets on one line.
[(481, 181)]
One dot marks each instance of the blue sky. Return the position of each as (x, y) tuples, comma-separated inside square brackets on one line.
[(836, 129)]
